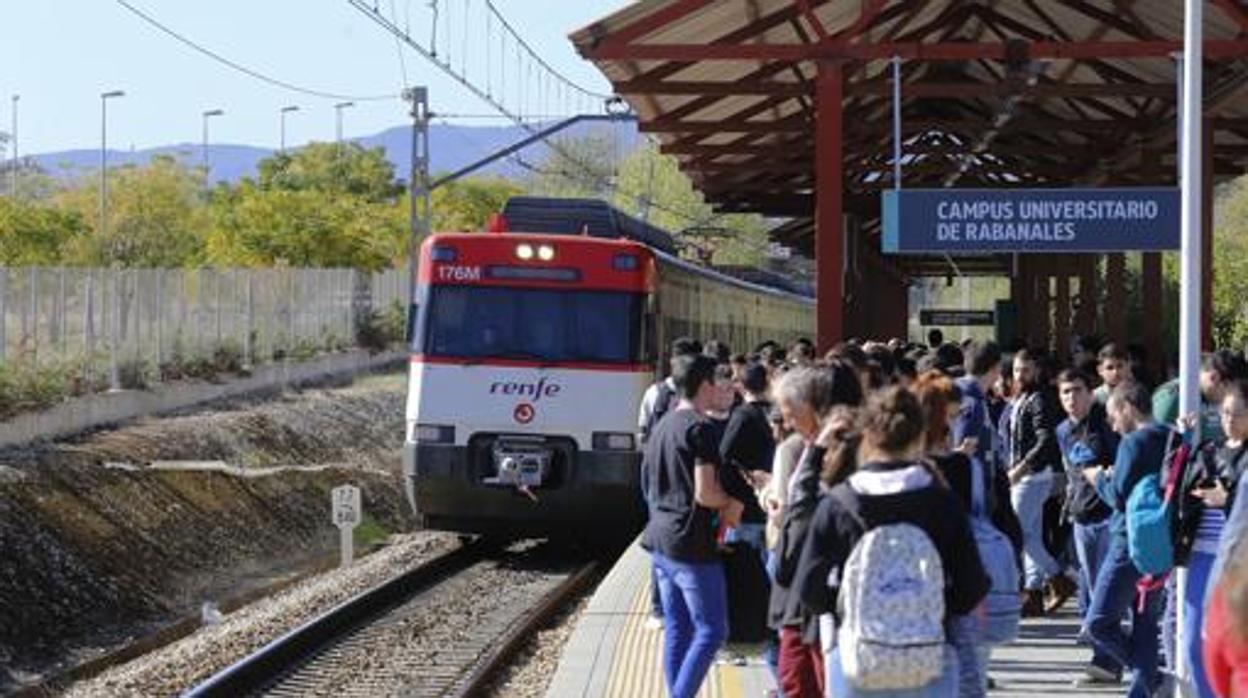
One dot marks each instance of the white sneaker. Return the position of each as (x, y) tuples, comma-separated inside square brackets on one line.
[(654, 623)]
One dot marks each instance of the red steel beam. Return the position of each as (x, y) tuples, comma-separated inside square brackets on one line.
[(798, 123), (717, 88), (1235, 10), (918, 90), (1074, 50), (959, 90), (653, 21), (734, 37), (716, 150), (809, 13)]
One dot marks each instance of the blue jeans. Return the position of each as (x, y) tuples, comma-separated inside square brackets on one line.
[(1091, 547), (695, 621), (771, 651), (944, 686), (1028, 498), (1235, 529), (1113, 596), (964, 635), (1198, 569)]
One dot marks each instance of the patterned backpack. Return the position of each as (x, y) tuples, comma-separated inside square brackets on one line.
[(892, 606)]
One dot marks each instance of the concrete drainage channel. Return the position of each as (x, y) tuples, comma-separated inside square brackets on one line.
[(445, 628)]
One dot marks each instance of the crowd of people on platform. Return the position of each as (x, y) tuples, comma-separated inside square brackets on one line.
[(881, 517)]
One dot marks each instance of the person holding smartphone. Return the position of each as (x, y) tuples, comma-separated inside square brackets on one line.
[(1210, 487)]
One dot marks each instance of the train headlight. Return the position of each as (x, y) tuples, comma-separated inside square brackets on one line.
[(545, 252), (609, 441), (433, 434), (524, 251)]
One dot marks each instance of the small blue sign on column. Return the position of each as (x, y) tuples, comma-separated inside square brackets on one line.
[(987, 221)]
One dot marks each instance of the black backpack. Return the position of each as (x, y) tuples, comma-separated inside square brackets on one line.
[(663, 402)]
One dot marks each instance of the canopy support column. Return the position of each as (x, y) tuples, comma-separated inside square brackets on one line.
[(1150, 270), (1116, 297), (1206, 237), (829, 204)]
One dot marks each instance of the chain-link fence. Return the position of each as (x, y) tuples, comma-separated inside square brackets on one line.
[(122, 326)]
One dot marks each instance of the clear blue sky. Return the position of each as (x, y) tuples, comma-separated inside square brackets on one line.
[(60, 55)]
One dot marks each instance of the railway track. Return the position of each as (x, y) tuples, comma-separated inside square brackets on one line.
[(442, 629)]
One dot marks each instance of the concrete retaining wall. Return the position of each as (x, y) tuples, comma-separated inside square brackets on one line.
[(104, 409)]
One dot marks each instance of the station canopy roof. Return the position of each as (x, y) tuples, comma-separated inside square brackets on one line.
[(996, 93)]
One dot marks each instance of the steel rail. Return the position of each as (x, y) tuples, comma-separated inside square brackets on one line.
[(258, 670), (522, 632)]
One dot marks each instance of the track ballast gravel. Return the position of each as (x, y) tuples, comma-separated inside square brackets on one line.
[(430, 645), (179, 666)]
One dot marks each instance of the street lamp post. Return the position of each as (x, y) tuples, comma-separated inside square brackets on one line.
[(13, 135), (208, 115), (114, 373), (338, 119), (282, 121), (104, 97)]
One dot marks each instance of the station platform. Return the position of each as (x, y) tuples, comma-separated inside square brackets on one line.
[(611, 654)]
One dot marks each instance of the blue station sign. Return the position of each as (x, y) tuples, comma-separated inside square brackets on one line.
[(985, 221)]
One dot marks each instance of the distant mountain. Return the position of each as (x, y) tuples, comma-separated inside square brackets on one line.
[(450, 148)]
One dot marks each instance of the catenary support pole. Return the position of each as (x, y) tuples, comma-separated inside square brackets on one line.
[(1190, 286), (16, 155), (421, 211), (4, 317)]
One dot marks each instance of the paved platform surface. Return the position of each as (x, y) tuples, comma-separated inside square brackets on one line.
[(611, 654)]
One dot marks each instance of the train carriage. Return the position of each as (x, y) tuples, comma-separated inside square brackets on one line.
[(530, 354)]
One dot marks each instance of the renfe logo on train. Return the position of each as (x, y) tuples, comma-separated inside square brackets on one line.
[(536, 390), (524, 413)]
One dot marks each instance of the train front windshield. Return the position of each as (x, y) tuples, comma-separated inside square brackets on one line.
[(476, 322)]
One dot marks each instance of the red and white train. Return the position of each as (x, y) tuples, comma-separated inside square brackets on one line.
[(530, 354)]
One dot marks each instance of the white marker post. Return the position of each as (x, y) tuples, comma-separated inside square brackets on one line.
[(1191, 175), (346, 517)]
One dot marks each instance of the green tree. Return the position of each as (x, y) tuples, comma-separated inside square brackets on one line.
[(156, 217), (1230, 266), (332, 168), (34, 233), (651, 186), (326, 205), (253, 226), (581, 166), (467, 204)]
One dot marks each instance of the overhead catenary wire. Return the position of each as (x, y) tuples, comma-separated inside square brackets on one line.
[(500, 102), (537, 57), (323, 94), (398, 47)]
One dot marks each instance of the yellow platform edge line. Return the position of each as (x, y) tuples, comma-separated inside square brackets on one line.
[(637, 667)]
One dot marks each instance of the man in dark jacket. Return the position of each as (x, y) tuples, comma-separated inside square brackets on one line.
[(1086, 441), (1035, 460)]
